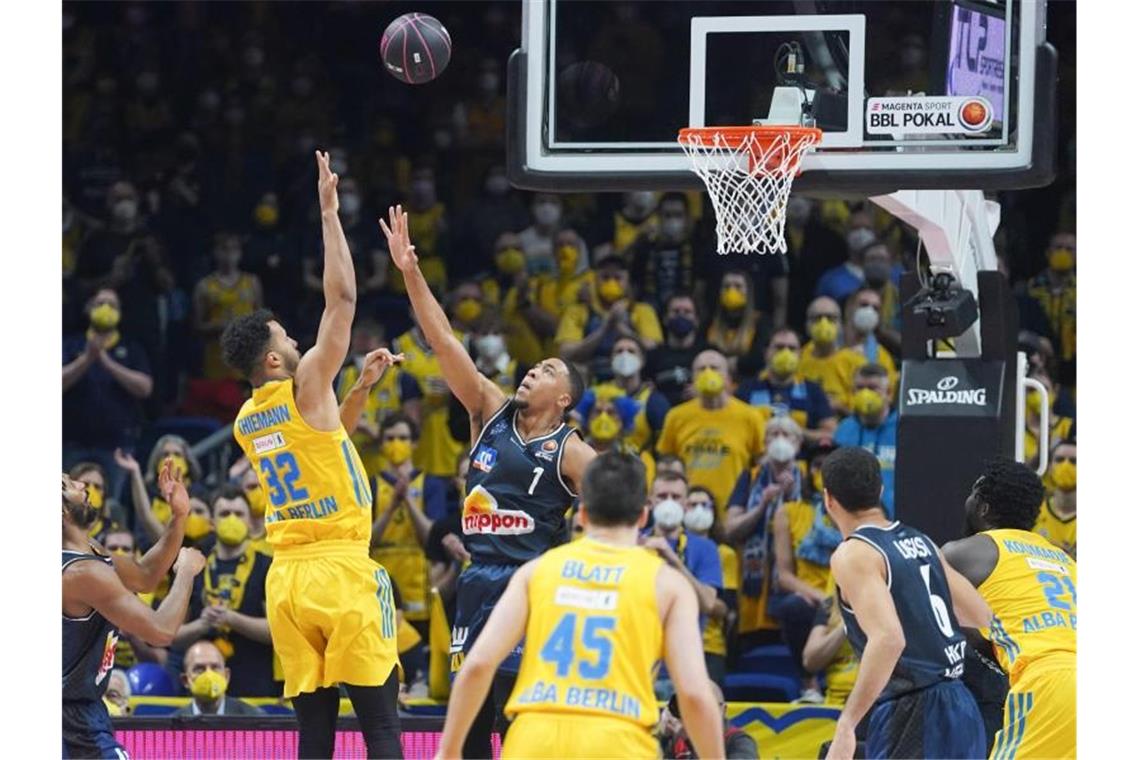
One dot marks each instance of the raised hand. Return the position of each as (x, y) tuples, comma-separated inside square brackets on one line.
[(326, 184), (189, 560), (173, 490), (127, 461), (376, 363), (399, 244)]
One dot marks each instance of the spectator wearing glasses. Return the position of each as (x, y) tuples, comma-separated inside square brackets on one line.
[(820, 361), (1058, 519), (783, 390)]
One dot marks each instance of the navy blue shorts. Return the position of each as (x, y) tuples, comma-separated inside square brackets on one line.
[(939, 721), (87, 731), (480, 587)]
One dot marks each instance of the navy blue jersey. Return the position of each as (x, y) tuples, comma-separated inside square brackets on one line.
[(935, 647), (88, 646), (516, 498)]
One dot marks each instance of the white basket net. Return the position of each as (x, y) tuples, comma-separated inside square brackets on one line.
[(748, 172)]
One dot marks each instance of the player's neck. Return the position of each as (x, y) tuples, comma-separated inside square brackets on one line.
[(613, 535), (532, 423), (852, 521), (75, 539)]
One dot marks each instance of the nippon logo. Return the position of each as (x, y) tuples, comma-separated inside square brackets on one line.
[(502, 522)]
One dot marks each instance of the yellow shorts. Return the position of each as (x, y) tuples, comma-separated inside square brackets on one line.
[(1040, 715), (560, 735), (331, 615)]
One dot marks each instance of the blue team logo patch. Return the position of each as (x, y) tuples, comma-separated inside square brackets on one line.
[(498, 428), (485, 458)]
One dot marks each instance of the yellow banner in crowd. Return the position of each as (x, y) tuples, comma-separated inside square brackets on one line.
[(785, 730)]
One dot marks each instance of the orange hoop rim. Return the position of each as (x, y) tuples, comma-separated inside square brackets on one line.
[(764, 134)]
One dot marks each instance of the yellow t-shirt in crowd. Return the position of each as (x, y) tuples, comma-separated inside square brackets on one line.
[(1060, 531), (222, 303), (437, 450), (713, 635), (642, 317), (1060, 428), (829, 372), (801, 516), (852, 358), (715, 444)]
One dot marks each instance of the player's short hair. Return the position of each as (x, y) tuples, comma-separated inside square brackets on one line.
[(245, 341), (229, 492), (577, 387), (852, 476), (613, 489), (1013, 493), (395, 418)]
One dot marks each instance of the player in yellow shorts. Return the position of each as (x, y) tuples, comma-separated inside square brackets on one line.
[(330, 607), (1031, 586), (599, 614)]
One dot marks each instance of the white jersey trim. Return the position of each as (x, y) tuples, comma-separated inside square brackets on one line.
[(879, 549)]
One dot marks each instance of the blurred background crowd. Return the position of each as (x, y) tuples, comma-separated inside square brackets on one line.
[(189, 199)]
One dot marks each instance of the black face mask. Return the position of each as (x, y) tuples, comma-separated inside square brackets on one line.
[(680, 326)]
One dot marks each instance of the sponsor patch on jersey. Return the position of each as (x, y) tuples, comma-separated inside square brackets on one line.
[(550, 446), (108, 660), (481, 514), (485, 458), (498, 428), (1043, 564), (544, 455), (586, 599), (269, 442)]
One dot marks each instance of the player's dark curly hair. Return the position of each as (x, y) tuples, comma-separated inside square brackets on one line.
[(577, 388), (245, 341), (1013, 493), (613, 489), (852, 476)]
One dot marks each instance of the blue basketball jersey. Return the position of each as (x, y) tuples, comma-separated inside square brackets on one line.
[(88, 646), (516, 498), (935, 647)]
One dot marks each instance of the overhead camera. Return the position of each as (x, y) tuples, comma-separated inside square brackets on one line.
[(946, 309)]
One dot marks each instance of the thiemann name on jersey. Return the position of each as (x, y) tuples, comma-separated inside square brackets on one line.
[(258, 421), (607, 700)]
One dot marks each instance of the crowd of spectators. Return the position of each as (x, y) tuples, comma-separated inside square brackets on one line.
[(188, 200)]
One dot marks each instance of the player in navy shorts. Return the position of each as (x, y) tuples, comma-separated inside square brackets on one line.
[(525, 467), (99, 600), (901, 605)]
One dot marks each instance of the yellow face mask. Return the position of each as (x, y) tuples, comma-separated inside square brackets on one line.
[(867, 403), (567, 260), (197, 526), (1062, 259), (265, 214), (209, 684), (605, 427), (817, 481), (112, 709), (396, 451), (104, 317), (179, 466), (733, 299), (610, 290), (510, 260), (232, 530), (468, 310), (1065, 475), (256, 499), (709, 382), (824, 331), (785, 362), (95, 495), (1033, 403)]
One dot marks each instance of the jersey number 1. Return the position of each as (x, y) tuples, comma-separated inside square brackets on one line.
[(534, 483), (938, 604)]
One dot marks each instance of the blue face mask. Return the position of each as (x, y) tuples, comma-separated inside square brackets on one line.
[(680, 326)]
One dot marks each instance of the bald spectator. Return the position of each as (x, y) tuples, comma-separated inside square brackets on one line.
[(206, 677), (715, 435)]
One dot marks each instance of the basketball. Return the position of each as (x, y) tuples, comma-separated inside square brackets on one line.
[(974, 114), (589, 91), (415, 48)]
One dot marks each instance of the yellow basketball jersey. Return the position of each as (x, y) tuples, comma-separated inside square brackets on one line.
[(1033, 593), (313, 479), (1060, 531), (399, 550), (594, 634)]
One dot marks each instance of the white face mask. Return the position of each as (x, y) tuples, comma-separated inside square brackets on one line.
[(865, 319), (626, 364), (490, 347), (781, 450), (858, 238), (126, 209), (350, 202), (699, 519), (673, 229), (642, 201), (668, 514), (547, 214)]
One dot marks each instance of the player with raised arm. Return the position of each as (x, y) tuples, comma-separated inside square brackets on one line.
[(901, 605), (598, 614), (1032, 587), (100, 600), (525, 466), (330, 607)]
